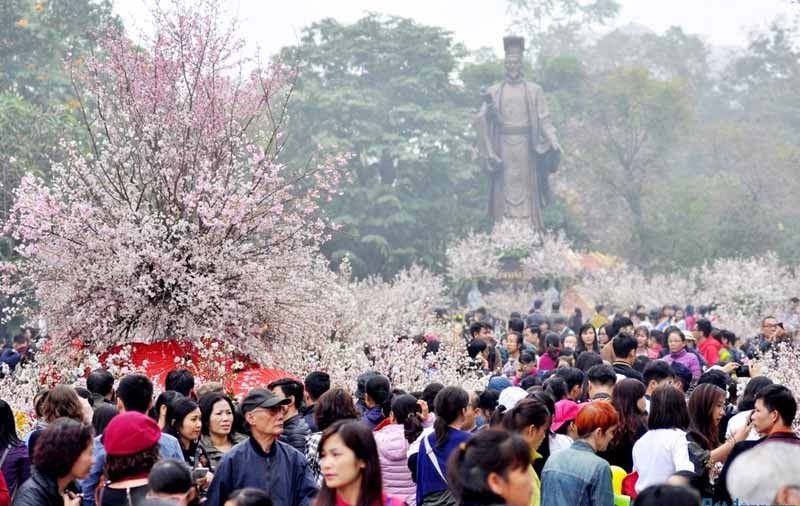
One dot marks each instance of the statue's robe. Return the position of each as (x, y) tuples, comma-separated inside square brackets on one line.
[(515, 126)]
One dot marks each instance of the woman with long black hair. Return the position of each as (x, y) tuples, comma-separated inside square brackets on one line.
[(450, 407), (628, 399), (351, 468), (184, 422), (16, 463), (530, 419), (587, 339), (706, 407), (494, 467)]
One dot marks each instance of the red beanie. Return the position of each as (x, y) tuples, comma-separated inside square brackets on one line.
[(130, 433)]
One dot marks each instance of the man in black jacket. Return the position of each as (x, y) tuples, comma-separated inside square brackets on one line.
[(624, 346), (772, 417), (317, 383), (295, 428)]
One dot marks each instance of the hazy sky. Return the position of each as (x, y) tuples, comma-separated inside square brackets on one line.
[(271, 24)]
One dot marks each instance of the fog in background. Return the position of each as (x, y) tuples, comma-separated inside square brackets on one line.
[(272, 24)]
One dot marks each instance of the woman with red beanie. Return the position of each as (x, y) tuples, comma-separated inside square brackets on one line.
[(131, 443)]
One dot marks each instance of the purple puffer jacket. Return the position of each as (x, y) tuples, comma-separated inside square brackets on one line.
[(392, 450), (683, 357)]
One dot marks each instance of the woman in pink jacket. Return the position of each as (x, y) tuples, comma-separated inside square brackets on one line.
[(393, 441)]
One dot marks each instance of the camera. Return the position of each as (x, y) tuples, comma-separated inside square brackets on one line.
[(199, 473), (743, 371)]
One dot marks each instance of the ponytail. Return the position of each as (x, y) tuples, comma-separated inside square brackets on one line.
[(497, 417), (527, 412), (440, 429), (379, 390), (386, 405), (412, 427), (449, 404), (406, 412)]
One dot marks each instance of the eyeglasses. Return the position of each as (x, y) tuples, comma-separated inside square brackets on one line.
[(274, 410)]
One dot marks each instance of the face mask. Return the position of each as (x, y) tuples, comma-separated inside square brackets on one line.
[(479, 421)]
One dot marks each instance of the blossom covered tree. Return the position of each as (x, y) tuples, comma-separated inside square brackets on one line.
[(375, 325), (478, 256), (747, 289), (178, 220)]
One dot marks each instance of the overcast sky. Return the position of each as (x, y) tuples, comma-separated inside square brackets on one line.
[(271, 24)]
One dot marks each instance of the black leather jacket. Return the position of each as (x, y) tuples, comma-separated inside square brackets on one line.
[(38, 490)]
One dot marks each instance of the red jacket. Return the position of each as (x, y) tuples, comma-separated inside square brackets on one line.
[(710, 350), (5, 499)]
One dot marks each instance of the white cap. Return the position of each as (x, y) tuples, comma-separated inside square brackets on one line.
[(510, 396)]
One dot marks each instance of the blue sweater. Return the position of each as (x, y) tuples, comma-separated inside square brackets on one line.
[(428, 479)]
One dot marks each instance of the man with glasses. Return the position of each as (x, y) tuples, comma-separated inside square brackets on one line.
[(771, 331), (263, 461)]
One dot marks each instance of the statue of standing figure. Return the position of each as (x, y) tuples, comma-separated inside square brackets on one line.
[(517, 143)]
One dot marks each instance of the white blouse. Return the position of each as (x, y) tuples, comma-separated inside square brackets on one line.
[(658, 454)]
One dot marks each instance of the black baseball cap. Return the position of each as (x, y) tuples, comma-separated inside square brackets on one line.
[(262, 398)]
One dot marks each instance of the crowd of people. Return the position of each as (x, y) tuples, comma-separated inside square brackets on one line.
[(654, 408)]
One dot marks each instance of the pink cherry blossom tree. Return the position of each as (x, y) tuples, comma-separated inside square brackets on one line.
[(178, 219)]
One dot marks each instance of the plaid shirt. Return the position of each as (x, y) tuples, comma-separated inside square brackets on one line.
[(312, 456)]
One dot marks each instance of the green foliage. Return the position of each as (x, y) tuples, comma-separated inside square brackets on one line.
[(383, 89), (631, 120), (558, 216), (36, 40), (555, 27), (38, 36), (765, 80), (29, 141)]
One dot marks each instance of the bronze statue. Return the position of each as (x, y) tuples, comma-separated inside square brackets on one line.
[(517, 143)]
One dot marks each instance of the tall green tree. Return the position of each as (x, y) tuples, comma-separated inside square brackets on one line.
[(384, 89), (631, 122), (38, 38)]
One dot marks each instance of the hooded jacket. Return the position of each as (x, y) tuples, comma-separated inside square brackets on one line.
[(710, 349), (373, 417), (393, 451)]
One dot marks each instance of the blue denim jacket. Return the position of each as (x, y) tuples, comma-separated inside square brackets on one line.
[(576, 477)]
